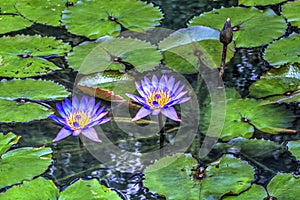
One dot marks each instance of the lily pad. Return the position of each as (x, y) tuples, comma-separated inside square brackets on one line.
[(10, 20), (24, 56), (31, 89), (88, 190), (94, 19), (251, 113), (290, 10), (39, 11), (294, 148), (21, 163), (227, 175), (280, 83), (11, 111), (284, 186), (245, 24), (39, 188), (108, 85), (114, 54), (188, 48), (20, 99), (259, 2), (284, 51), (253, 148), (255, 192)]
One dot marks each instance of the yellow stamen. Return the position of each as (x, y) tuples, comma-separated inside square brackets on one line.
[(158, 99), (78, 120)]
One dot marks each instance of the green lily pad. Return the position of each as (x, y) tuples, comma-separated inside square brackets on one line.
[(284, 51), (114, 54), (31, 89), (255, 192), (20, 99), (290, 10), (227, 175), (259, 2), (10, 20), (44, 12), (188, 48), (88, 190), (24, 56), (9, 23), (281, 83), (294, 148), (284, 187), (94, 19), (7, 140), (245, 24), (253, 148), (21, 163), (11, 111), (251, 113), (108, 85), (39, 188)]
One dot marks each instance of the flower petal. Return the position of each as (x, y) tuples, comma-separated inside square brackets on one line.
[(171, 113), (137, 99), (57, 120), (76, 133), (91, 134), (63, 133), (143, 112), (155, 112)]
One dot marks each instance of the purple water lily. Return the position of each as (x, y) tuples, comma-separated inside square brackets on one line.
[(79, 118), (158, 96)]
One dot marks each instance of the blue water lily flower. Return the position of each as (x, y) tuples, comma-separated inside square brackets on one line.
[(159, 96), (79, 118)]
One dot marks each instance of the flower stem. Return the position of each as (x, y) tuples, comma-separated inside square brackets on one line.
[(80, 143), (161, 134)]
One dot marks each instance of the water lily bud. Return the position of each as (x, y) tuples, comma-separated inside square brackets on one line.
[(226, 33)]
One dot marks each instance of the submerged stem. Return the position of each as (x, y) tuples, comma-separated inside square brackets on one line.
[(161, 134)]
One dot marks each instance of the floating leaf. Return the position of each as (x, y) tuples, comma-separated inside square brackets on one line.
[(290, 10), (245, 24), (284, 186), (259, 2), (88, 190), (251, 113), (253, 148), (10, 20), (284, 51), (39, 11), (114, 53), (9, 23), (39, 188), (19, 99), (7, 141), (24, 56), (31, 89), (11, 111), (94, 19), (294, 148), (188, 48), (255, 192), (108, 85), (282, 83), (22, 163), (227, 175)]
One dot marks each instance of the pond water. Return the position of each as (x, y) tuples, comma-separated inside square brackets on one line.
[(71, 161)]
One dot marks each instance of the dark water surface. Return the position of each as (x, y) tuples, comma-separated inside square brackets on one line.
[(72, 162)]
